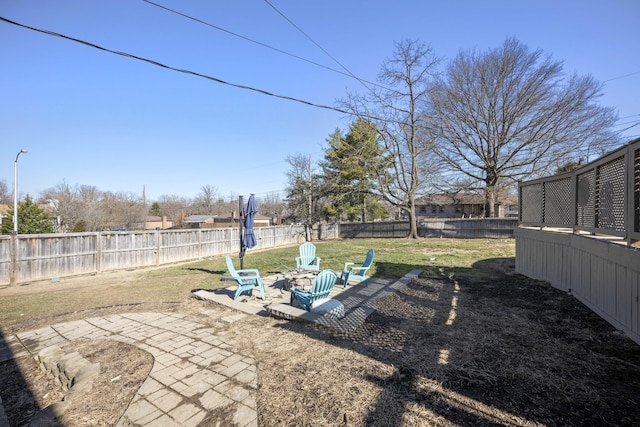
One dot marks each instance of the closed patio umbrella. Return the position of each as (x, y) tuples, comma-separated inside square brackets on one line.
[(248, 237)]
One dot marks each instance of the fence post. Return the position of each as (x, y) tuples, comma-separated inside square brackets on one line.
[(199, 243), (157, 246), (13, 261), (98, 236)]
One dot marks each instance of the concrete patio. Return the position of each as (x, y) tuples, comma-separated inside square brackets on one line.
[(359, 300)]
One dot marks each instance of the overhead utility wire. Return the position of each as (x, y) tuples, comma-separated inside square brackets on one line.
[(621, 77), (320, 47), (150, 61), (348, 74)]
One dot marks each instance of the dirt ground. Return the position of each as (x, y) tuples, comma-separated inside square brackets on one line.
[(510, 351)]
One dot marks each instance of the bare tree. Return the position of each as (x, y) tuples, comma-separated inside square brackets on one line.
[(174, 207), (5, 196), (123, 209), (272, 204), (69, 207), (396, 108), (205, 200), (508, 114), (302, 197)]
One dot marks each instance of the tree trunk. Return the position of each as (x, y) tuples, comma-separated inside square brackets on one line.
[(413, 220), (490, 197), (364, 210)]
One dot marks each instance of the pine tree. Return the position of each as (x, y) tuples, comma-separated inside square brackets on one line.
[(32, 219)]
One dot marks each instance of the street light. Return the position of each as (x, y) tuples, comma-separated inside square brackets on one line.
[(15, 192)]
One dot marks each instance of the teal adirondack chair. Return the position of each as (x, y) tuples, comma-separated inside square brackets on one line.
[(357, 270), (308, 258), (322, 284), (247, 279)]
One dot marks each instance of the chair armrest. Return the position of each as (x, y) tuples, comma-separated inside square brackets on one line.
[(350, 265), (249, 272)]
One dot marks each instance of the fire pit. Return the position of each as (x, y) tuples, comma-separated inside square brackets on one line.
[(299, 278)]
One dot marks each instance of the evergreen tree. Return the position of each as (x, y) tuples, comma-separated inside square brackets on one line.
[(348, 172), (155, 209), (32, 219)]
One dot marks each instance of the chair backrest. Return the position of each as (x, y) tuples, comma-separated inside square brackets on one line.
[(307, 252), (323, 283), (232, 269), (369, 259)]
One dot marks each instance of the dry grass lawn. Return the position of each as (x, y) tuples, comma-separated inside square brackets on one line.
[(452, 350)]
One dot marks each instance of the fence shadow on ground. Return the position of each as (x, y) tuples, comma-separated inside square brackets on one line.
[(206, 270)]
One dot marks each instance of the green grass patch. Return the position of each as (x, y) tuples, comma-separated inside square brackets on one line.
[(394, 258)]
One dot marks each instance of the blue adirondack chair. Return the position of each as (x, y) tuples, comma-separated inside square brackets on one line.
[(357, 270), (247, 279), (322, 284), (308, 258)]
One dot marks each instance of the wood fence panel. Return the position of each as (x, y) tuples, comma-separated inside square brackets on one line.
[(374, 230), (55, 255), (179, 245), (220, 241), (470, 228), (46, 256), (131, 249), (5, 257), (265, 237)]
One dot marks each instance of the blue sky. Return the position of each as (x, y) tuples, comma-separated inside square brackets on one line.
[(89, 117)]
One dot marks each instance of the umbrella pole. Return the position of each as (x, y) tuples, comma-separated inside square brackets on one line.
[(240, 205)]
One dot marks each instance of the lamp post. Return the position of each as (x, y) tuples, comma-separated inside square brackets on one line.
[(15, 192)]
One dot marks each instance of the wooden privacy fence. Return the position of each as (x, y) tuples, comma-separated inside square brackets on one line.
[(578, 231), (368, 230), (468, 228), (26, 258), (462, 228)]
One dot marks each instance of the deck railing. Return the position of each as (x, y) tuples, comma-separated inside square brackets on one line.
[(580, 231), (602, 197)]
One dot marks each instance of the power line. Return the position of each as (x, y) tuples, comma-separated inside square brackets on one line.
[(626, 117), (625, 123), (628, 127), (314, 42), (150, 61), (200, 21), (622, 77)]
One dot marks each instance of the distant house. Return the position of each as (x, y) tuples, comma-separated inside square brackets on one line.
[(199, 221), (157, 222), (231, 219), (224, 220), (150, 223), (454, 205)]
